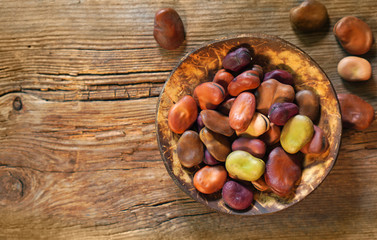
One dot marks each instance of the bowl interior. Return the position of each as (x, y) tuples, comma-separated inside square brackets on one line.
[(271, 53)]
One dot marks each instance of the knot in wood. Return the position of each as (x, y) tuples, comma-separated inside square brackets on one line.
[(11, 189), (17, 104)]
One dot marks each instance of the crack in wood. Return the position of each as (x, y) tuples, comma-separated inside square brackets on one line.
[(76, 171)]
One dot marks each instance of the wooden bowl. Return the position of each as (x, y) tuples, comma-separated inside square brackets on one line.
[(271, 53)]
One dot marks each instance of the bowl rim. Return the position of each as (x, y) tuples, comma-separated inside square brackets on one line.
[(224, 39)]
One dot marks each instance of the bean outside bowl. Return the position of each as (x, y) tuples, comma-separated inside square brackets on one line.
[(271, 53)]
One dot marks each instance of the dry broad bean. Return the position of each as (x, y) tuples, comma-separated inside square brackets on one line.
[(242, 111), (238, 59), (244, 166), (356, 113), (210, 179), (296, 133), (247, 80), (259, 124), (182, 114), (273, 91), (308, 103), (319, 143), (190, 149), (209, 95), (216, 122), (280, 75), (354, 35), (354, 69), (254, 146), (280, 113), (283, 172), (217, 144), (309, 16), (168, 29)]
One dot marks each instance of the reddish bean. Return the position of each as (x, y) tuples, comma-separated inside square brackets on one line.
[(223, 78), (168, 29), (210, 179), (356, 113), (255, 147), (354, 35), (242, 111), (247, 80), (209, 95), (182, 114)]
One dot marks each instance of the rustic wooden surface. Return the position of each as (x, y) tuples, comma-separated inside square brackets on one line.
[(79, 159)]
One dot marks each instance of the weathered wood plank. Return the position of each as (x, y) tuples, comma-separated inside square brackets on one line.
[(80, 159)]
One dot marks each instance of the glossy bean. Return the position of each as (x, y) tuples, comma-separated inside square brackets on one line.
[(209, 95), (190, 149), (247, 80), (308, 103), (280, 75), (354, 35), (255, 147), (223, 78), (238, 59), (280, 113), (182, 114), (354, 69), (356, 113), (283, 172), (242, 111), (244, 166), (225, 106), (210, 179), (216, 122), (318, 144), (209, 159), (272, 136), (259, 124), (168, 29), (296, 133), (309, 16), (218, 145), (272, 91), (237, 195)]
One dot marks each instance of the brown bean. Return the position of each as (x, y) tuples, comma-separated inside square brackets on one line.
[(225, 106), (223, 78), (308, 103), (182, 114), (209, 95), (356, 113), (354, 69), (238, 59), (168, 29), (318, 144), (217, 145), (216, 122), (259, 124), (261, 185), (242, 111), (272, 91), (272, 136), (255, 147), (309, 16), (354, 35), (283, 172), (190, 149), (247, 80)]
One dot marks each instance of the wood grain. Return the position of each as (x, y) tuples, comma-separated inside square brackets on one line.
[(80, 159)]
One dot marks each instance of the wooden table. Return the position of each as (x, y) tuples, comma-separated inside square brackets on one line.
[(79, 84)]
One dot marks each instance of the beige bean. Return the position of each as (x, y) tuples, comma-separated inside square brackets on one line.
[(354, 69)]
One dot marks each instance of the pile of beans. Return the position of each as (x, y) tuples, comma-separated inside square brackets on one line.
[(247, 131)]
